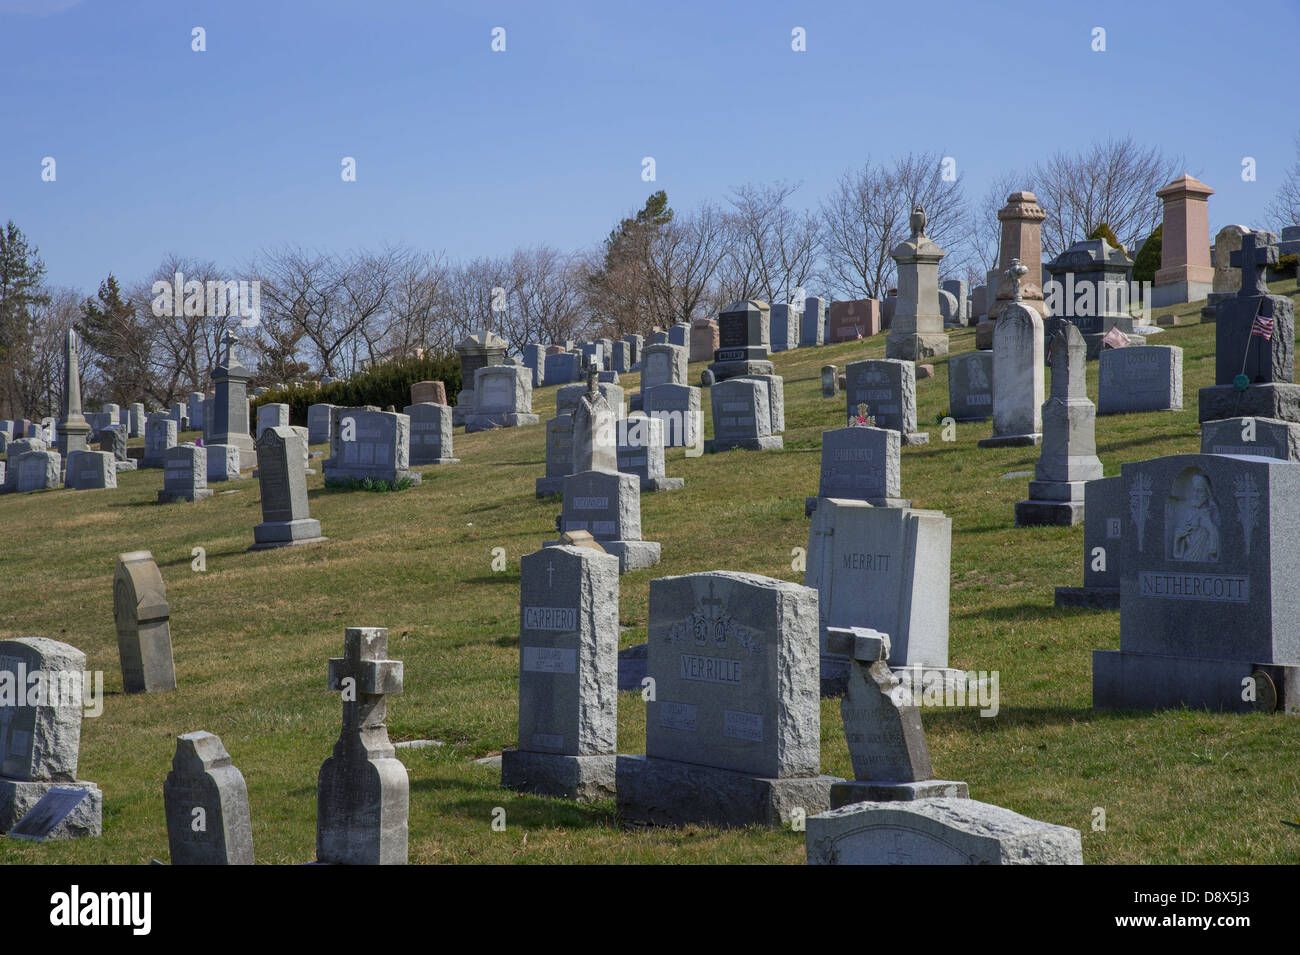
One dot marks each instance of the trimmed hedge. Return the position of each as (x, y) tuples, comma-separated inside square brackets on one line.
[(381, 385)]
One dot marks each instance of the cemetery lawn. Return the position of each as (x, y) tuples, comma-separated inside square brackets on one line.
[(253, 631)]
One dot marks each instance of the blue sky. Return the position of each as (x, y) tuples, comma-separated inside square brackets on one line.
[(215, 155)]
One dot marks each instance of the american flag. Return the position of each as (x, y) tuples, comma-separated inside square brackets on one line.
[(1263, 324)]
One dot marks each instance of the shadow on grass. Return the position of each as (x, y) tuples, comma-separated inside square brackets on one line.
[(1015, 717), (1018, 612), (522, 809)]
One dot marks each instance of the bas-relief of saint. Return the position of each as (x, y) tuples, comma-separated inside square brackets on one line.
[(1196, 523)]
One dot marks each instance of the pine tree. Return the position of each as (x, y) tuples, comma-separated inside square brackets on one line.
[(113, 331), (1103, 231), (21, 275), (1148, 257)]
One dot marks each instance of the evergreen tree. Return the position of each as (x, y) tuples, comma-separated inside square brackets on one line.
[(21, 275), (112, 329), (1103, 231), (1148, 257)]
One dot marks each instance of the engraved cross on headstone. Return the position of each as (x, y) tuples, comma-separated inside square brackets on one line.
[(1258, 251), (365, 677)]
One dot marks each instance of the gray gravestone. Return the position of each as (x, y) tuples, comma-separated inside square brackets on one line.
[(272, 416), (318, 423), (641, 452), (185, 474), (1144, 378), (608, 506), (1261, 437), (562, 368), (887, 386), (568, 675), (1018, 378), (143, 619), (159, 437), (860, 463), (1208, 606), (784, 327), (431, 429), (887, 569), (812, 322), (40, 737), (503, 398), (595, 444), (223, 463), (90, 470), (733, 732), (830, 381), (206, 800), (743, 341), (940, 831), (370, 444), (283, 483), (363, 793), (1069, 456), (663, 365), (1103, 547), (678, 407), (970, 385), (534, 359), (742, 416), (37, 470)]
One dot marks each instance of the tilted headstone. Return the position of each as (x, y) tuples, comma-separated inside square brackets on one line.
[(882, 726), (283, 483), (938, 831), (185, 474), (733, 733), (143, 618), (678, 408), (159, 437), (431, 433), (370, 444), (885, 568), (503, 398), (1146, 378), (363, 793), (1069, 455), (742, 416), (40, 737), (608, 506), (568, 675), (1209, 614), (206, 800), (90, 470), (970, 386), (1105, 509), (1017, 377), (887, 386)]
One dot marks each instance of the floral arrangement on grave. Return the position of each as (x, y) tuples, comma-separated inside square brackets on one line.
[(861, 419)]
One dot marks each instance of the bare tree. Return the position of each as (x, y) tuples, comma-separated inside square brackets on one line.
[(1114, 182), (1284, 209), (867, 215), (682, 263), (773, 249), (38, 358), (986, 228)]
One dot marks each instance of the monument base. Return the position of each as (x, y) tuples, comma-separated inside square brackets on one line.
[(771, 442), (286, 534), (632, 555), (662, 484), (1280, 400), (489, 422), (1179, 293), (722, 370), (167, 497), (127, 465), (810, 503), (584, 778), (1088, 598), (17, 799), (1128, 680), (415, 463), (1011, 440), (1034, 513), (665, 792), (857, 790), (914, 346), (913, 438)]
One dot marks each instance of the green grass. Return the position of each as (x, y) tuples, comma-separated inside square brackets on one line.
[(252, 635)]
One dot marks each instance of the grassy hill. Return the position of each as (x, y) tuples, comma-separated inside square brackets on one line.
[(253, 632)]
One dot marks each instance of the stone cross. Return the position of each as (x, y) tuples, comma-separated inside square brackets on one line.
[(363, 794), (1258, 251), (1015, 273)]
